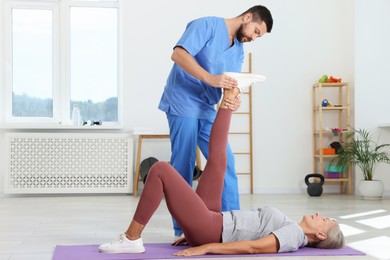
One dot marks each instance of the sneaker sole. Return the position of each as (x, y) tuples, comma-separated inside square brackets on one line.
[(245, 79), (123, 251)]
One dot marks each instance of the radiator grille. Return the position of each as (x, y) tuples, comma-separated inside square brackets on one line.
[(68, 163)]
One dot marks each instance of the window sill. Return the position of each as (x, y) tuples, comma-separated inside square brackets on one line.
[(59, 127)]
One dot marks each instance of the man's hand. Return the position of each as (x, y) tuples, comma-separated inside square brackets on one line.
[(180, 242), (233, 104), (222, 81)]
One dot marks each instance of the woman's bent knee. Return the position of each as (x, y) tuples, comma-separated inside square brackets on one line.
[(160, 168)]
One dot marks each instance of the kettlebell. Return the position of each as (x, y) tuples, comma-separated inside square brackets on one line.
[(314, 189)]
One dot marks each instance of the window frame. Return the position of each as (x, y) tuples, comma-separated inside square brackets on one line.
[(61, 63)]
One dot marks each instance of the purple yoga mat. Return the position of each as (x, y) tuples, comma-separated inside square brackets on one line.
[(165, 251)]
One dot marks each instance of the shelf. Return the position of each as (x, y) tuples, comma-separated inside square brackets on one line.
[(341, 84), (326, 132), (325, 156), (16, 126), (336, 179), (330, 108)]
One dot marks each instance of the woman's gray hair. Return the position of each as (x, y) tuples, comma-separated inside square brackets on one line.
[(335, 239)]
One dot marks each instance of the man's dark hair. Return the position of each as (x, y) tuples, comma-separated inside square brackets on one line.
[(261, 13)]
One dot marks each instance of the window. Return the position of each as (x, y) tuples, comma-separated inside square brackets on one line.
[(32, 78), (94, 63), (60, 54)]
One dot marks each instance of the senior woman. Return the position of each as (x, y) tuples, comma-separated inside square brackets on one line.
[(208, 230)]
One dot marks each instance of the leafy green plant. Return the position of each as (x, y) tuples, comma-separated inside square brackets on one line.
[(362, 151)]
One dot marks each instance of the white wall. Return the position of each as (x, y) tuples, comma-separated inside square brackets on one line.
[(372, 69), (309, 38), (2, 155)]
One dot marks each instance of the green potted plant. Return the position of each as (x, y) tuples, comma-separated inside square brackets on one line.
[(363, 151)]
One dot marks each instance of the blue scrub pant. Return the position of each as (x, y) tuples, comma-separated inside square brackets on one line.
[(185, 135)]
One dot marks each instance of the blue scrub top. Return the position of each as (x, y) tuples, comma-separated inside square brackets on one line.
[(207, 40)]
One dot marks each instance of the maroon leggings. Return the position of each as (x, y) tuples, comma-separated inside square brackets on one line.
[(197, 213)]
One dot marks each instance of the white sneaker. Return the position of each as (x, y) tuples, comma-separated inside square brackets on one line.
[(244, 80), (123, 245)]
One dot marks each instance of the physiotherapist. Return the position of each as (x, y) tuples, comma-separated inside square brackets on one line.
[(208, 47)]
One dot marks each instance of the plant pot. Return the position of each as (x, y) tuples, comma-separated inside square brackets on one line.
[(371, 189)]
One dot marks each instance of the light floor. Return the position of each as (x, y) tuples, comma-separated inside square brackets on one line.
[(31, 226)]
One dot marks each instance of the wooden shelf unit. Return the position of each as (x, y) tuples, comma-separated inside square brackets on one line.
[(339, 116)]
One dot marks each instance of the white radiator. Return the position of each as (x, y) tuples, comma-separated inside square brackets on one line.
[(68, 163)]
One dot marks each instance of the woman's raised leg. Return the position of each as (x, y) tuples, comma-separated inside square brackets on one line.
[(210, 184)]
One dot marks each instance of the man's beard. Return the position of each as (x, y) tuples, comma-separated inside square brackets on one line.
[(241, 37)]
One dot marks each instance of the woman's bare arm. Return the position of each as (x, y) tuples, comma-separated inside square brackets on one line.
[(267, 244)]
